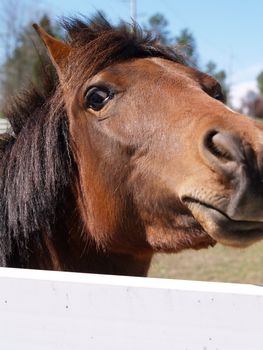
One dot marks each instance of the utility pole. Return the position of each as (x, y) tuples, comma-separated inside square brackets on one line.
[(133, 10)]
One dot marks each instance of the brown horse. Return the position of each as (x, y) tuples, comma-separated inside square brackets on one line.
[(130, 152)]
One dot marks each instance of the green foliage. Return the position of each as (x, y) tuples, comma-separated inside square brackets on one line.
[(260, 82), (186, 43), (28, 60), (219, 74), (159, 25)]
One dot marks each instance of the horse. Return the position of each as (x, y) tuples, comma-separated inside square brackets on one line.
[(125, 152)]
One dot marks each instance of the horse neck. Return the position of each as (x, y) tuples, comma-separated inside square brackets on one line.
[(71, 249), (41, 243)]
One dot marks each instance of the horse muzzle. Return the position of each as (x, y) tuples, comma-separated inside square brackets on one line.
[(237, 219)]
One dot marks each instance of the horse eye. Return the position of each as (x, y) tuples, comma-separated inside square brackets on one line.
[(220, 97), (96, 98)]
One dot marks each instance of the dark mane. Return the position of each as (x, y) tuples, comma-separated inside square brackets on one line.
[(36, 168)]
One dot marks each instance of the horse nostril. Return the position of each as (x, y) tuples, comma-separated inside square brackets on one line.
[(222, 146)]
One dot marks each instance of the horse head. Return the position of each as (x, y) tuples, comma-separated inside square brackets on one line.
[(163, 163)]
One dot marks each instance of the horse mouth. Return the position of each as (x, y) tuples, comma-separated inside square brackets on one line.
[(221, 227)]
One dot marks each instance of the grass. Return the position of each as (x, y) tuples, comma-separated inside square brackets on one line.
[(214, 264)]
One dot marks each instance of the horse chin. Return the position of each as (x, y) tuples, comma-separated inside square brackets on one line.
[(189, 234), (222, 228)]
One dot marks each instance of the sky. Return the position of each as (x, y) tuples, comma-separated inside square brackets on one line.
[(228, 32)]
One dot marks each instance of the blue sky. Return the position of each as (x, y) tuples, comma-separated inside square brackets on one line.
[(228, 32)]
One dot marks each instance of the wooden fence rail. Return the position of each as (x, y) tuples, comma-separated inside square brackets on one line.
[(57, 310), (4, 125)]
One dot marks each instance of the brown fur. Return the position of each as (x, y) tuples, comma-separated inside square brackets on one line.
[(103, 191)]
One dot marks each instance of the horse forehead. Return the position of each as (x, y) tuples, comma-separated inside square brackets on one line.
[(142, 66), (126, 74), (182, 70), (132, 70), (150, 68)]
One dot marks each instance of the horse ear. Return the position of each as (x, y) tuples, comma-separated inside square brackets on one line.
[(58, 50)]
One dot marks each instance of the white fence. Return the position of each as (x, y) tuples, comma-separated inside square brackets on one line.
[(4, 125), (56, 310)]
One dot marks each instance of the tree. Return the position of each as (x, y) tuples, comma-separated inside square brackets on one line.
[(159, 25), (11, 16), (28, 59), (252, 104), (260, 82), (186, 43), (220, 75)]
